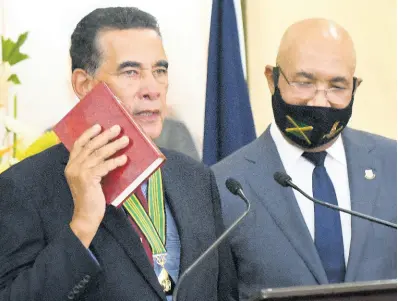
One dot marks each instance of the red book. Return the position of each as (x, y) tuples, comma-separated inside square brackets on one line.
[(102, 107)]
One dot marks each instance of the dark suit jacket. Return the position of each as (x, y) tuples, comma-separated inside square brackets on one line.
[(273, 247), (41, 258)]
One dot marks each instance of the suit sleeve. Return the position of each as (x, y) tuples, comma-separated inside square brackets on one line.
[(227, 279), (32, 268)]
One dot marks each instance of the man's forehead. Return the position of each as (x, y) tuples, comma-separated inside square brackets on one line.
[(314, 58), (317, 40), (144, 44)]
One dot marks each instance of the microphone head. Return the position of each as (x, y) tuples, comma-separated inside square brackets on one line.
[(282, 178), (233, 186)]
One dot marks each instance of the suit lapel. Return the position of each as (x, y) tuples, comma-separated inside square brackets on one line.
[(176, 201), (364, 193), (281, 203)]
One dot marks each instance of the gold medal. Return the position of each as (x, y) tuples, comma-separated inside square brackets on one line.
[(164, 278)]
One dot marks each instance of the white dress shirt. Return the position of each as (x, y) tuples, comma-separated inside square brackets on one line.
[(300, 169)]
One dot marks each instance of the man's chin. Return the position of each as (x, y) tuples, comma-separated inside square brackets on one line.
[(311, 149), (152, 131)]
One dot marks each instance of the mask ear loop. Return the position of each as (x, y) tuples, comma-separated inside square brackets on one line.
[(275, 76)]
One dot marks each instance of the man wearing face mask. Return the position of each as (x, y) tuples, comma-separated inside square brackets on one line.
[(287, 240)]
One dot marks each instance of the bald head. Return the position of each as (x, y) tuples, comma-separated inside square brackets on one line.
[(311, 36)]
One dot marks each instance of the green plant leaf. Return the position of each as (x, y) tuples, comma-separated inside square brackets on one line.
[(11, 50), (6, 48), (17, 57), (11, 46), (14, 78)]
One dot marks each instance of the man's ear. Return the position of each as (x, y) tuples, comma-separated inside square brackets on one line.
[(82, 82), (269, 74), (357, 83)]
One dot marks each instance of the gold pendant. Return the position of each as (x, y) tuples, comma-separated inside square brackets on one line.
[(164, 278)]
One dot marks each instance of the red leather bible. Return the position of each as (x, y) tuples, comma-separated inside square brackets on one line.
[(102, 107)]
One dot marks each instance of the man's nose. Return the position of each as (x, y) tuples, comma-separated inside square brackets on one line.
[(320, 99), (149, 93), (149, 87)]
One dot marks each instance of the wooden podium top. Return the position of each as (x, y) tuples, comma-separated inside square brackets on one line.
[(383, 290)]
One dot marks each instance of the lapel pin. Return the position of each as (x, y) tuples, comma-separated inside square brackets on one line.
[(369, 174)]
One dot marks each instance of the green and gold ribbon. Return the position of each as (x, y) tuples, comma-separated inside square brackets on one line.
[(152, 225)]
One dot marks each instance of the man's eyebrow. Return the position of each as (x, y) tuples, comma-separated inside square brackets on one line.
[(135, 64), (131, 64), (162, 63), (336, 79), (339, 79), (304, 74)]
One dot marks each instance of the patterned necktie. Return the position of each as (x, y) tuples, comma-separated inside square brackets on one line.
[(144, 202), (328, 233)]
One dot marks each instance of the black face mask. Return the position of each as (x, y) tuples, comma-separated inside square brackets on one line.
[(308, 126)]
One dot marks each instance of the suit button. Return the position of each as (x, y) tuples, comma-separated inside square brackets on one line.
[(71, 296), (76, 290), (81, 284), (87, 278)]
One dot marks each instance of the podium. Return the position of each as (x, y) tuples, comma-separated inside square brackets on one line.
[(384, 290)]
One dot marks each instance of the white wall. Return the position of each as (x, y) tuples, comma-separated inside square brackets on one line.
[(46, 95)]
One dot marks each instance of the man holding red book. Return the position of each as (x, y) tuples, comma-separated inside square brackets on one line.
[(58, 238)]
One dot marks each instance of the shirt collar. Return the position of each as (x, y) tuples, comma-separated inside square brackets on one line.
[(289, 153), (337, 152)]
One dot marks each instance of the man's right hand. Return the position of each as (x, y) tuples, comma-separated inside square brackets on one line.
[(88, 163)]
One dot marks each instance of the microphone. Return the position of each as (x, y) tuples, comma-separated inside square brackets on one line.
[(285, 180), (235, 188)]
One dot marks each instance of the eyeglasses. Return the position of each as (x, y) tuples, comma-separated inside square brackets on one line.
[(306, 90)]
